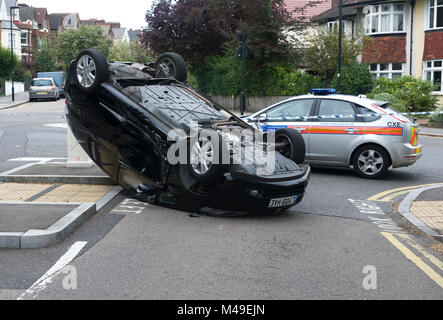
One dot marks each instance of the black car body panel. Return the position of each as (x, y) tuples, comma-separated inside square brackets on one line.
[(124, 128)]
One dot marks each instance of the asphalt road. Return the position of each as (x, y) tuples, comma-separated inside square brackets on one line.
[(318, 250)]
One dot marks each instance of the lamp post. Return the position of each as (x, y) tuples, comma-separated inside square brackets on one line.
[(340, 27), (12, 51)]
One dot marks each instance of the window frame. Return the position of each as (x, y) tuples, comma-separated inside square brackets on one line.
[(389, 71), (428, 14), (21, 38), (433, 69), (391, 13)]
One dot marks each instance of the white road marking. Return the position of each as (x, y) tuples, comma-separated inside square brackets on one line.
[(57, 125), (47, 278), (31, 159)]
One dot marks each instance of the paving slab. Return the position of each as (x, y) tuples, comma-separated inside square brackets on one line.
[(23, 217)]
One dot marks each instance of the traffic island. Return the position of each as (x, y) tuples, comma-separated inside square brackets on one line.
[(424, 209)]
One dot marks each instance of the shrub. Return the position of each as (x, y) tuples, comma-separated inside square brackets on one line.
[(414, 94), (397, 105), (437, 118), (355, 79)]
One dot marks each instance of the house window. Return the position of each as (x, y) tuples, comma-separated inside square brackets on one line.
[(432, 72), (387, 70), (435, 14), (332, 26), (385, 18), (24, 37)]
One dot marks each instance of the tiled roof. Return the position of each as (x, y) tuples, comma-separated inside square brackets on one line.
[(54, 21), (333, 13), (134, 35), (26, 13), (119, 33), (40, 15), (309, 12)]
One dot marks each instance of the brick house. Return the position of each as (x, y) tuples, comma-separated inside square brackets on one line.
[(407, 36)]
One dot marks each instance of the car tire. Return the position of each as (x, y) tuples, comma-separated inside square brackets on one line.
[(171, 65), (91, 70), (371, 162), (290, 143), (205, 171)]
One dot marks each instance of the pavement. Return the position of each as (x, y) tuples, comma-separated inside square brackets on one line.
[(431, 132), (7, 103), (42, 203)]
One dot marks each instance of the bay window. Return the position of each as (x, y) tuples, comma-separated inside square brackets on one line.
[(385, 18), (433, 71), (435, 16), (386, 70)]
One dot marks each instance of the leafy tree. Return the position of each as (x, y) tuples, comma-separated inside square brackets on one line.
[(44, 60), (321, 54), (70, 42), (128, 51), (5, 63), (201, 28)]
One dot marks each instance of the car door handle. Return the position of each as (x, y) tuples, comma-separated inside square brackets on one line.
[(351, 130)]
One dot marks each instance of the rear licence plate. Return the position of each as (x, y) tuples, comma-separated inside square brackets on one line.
[(283, 202), (41, 92)]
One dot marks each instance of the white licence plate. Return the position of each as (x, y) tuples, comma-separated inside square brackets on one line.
[(283, 202), (41, 92)]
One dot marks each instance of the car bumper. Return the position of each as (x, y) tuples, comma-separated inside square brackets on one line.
[(36, 95), (406, 155), (243, 196)]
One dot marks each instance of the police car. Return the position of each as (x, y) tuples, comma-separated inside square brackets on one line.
[(343, 131)]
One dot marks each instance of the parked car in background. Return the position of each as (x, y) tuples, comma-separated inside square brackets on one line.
[(43, 88), (58, 78), (369, 135)]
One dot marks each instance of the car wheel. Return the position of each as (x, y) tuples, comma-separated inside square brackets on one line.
[(91, 70), (290, 143), (371, 162), (171, 65), (205, 158)]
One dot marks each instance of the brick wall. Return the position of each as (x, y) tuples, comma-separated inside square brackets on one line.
[(433, 45), (390, 48)]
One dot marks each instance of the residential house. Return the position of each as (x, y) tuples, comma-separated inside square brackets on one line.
[(5, 22), (55, 27), (407, 37), (71, 21), (134, 35), (120, 35)]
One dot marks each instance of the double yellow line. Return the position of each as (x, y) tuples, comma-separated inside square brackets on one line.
[(387, 196), (431, 273)]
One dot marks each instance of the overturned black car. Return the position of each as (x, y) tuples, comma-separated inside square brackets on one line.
[(168, 144)]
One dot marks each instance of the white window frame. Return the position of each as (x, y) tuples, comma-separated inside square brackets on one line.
[(375, 11), (21, 38), (432, 69), (428, 14), (333, 25), (389, 72)]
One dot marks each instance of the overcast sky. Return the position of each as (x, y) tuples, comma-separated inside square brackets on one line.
[(131, 13)]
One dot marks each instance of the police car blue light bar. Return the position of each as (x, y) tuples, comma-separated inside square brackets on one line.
[(323, 91)]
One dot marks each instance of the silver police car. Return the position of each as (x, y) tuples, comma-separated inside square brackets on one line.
[(344, 131)]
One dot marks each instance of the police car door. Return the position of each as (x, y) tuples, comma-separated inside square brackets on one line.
[(331, 138), (277, 118)]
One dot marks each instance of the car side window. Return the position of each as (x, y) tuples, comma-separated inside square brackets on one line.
[(295, 108), (369, 118), (329, 107)]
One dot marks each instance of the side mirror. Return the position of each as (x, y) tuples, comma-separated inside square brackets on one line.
[(262, 117)]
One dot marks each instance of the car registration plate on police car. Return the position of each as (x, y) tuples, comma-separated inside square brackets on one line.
[(283, 202)]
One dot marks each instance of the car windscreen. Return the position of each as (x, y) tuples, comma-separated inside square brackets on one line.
[(41, 83)]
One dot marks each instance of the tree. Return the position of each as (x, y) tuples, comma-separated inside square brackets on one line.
[(71, 42), (5, 63), (128, 51), (321, 54), (44, 60)]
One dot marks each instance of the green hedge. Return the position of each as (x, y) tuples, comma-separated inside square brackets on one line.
[(355, 79), (437, 118), (2, 85), (222, 76)]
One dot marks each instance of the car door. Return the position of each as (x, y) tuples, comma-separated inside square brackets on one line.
[(331, 138), (293, 108)]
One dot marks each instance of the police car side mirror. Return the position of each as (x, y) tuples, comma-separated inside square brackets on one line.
[(262, 117)]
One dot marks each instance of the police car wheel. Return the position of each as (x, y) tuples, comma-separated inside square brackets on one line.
[(290, 143), (371, 162)]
